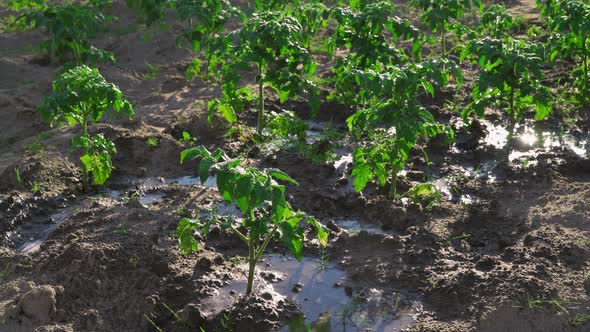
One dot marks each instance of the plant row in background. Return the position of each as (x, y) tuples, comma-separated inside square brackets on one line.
[(381, 67), (384, 67)]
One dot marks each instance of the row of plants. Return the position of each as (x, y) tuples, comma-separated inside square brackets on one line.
[(383, 73)]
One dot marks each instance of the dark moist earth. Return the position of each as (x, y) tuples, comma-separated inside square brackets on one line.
[(506, 250)]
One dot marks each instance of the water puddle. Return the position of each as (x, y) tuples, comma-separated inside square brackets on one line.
[(223, 209), (355, 226), (530, 138), (315, 130), (317, 289), (30, 236), (342, 163), (150, 190)]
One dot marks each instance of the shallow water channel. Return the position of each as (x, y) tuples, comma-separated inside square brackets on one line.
[(321, 292)]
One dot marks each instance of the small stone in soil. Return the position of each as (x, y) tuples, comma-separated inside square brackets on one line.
[(297, 288)]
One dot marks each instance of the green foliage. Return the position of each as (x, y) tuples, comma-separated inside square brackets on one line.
[(154, 71), (96, 159), (272, 5), (442, 15), (273, 44), (153, 142), (368, 31), (259, 197), (394, 121), (70, 26), (571, 24), (496, 22), (149, 11), (188, 139), (424, 193), (81, 96), (35, 188), (404, 82), (510, 78), (312, 16), (19, 179), (203, 17), (287, 124)]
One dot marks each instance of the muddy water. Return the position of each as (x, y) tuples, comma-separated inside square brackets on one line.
[(30, 236), (318, 289), (355, 225), (150, 190), (530, 138)]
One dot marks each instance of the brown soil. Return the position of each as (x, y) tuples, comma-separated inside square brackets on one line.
[(113, 265)]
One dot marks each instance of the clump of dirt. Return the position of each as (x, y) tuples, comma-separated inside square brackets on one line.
[(49, 171)]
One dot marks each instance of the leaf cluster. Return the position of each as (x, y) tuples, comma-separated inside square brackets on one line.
[(511, 77), (80, 95), (271, 43), (259, 197), (394, 121), (97, 156), (368, 32), (205, 18), (71, 27)]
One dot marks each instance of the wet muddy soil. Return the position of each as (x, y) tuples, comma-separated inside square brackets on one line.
[(506, 249)]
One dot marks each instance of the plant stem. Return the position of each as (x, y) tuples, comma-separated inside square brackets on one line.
[(585, 59), (512, 117), (85, 177), (393, 187), (238, 233), (252, 265), (444, 41), (261, 99), (251, 257), (265, 243)]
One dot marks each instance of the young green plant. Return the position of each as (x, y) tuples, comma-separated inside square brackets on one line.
[(443, 16), (368, 31), (571, 39), (260, 198), (393, 122), (71, 27), (272, 44), (81, 96), (510, 78), (204, 19)]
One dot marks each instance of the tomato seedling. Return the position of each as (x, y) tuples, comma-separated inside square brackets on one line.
[(82, 96), (203, 18), (149, 11), (70, 26), (368, 31), (510, 78), (260, 198), (393, 121), (442, 16), (496, 22), (571, 24), (273, 43)]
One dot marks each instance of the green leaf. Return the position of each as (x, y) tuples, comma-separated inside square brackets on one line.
[(184, 232), (194, 153), (362, 174), (292, 236), (227, 112), (280, 175), (321, 231)]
